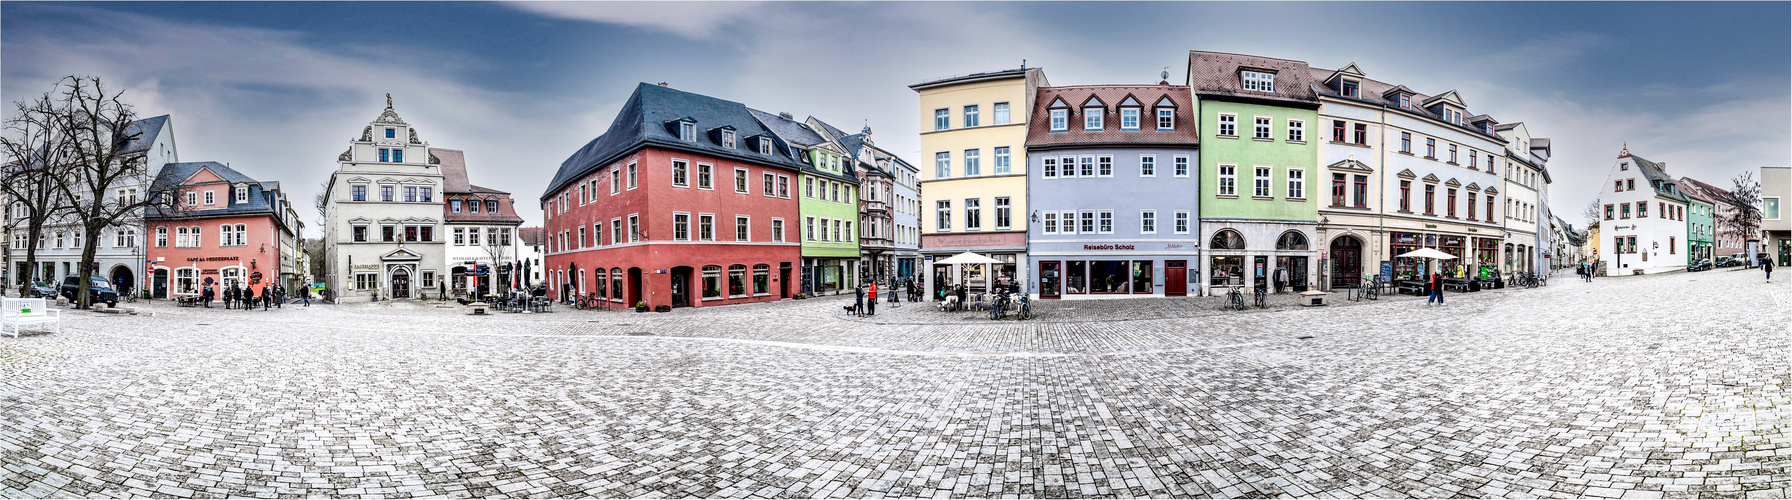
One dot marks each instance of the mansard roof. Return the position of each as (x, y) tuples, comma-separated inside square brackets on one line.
[(1216, 74)]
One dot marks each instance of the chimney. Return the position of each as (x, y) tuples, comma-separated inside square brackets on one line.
[(786, 115), (663, 84), (1662, 165)]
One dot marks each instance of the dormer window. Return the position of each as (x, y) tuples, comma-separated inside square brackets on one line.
[(1092, 118), (728, 139), (687, 131), (1349, 89), (242, 194), (391, 133), (1452, 116), (765, 146), (1257, 81), (1405, 101), (1166, 119), (1129, 118), (1060, 120)]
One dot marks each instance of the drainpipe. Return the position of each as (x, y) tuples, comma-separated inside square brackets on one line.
[(1381, 221)]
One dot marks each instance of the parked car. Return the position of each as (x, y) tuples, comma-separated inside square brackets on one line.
[(1727, 261), (98, 290), (38, 290), (1701, 265)]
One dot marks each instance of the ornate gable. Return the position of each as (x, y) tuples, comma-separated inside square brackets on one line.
[(1431, 178), (1452, 183), (1406, 174), (1350, 164)]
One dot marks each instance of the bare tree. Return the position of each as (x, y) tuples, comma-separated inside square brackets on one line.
[(98, 123), (1593, 213), (1743, 221), (37, 159)]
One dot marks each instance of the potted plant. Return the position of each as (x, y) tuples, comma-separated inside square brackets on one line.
[(641, 306)]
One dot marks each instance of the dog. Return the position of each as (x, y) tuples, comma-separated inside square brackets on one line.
[(852, 310)]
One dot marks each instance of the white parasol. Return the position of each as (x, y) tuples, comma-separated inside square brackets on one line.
[(968, 258), (1427, 253)]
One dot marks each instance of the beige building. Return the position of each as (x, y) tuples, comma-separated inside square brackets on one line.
[(1776, 224)]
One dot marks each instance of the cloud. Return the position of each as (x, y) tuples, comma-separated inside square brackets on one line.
[(695, 20), (1545, 52)]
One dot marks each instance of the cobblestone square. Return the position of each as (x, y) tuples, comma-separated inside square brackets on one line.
[(1667, 386)]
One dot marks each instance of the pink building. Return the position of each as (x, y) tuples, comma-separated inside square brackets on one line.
[(224, 229)]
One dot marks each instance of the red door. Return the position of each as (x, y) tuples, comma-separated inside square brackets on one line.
[(1175, 278)]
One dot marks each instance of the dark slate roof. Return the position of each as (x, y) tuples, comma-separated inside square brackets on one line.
[(261, 200), (1657, 179), (1039, 132), (1706, 191), (1216, 74), (646, 120), (146, 129), (791, 131), (1371, 92), (829, 129)]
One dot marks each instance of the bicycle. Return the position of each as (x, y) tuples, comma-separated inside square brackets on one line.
[(1026, 309), (1261, 294), (999, 307), (1235, 298)]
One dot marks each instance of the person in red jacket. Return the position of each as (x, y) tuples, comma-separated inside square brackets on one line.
[(871, 304), (1437, 289)]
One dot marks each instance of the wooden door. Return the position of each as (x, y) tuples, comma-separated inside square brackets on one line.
[(1175, 278)]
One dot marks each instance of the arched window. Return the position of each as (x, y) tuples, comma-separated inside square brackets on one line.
[(762, 279), (1226, 239), (737, 280), (1292, 240), (616, 284), (712, 282), (603, 280)]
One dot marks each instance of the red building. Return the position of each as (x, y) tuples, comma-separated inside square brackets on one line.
[(225, 229), (674, 205)]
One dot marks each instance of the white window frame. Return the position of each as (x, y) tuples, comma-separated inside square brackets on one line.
[(1049, 223), (742, 182), (728, 139), (1147, 165), (1086, 222), (777, 230), (1067, 222), (1297, 130), (942, 119), (1228, 125), (1003, 160), (973, 214), (972, 115), (1004, 210), (1257, 81), (1262, 181), (1092, 118), (1166, 115), (942, 165), (1182, 222), (1180, 166), (687, 131), (1129, 114), (1297, 183), (1060, 120), (973, 162), (1048, 168), (1066, 167), (743, 221), (1105, 222), (242, 194), (686, 226), (1086, 166), (1226, 172), (1147, 222), (1262, 127), (1104, 166), (712, 227), (1002, 114), (678, 163), (616, 236)]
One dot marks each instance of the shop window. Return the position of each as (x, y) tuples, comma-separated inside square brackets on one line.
[(1226, 239), (737, 281), (762, 279), (1109, 276), (1291, 240), (712, 282), (1141, 277)]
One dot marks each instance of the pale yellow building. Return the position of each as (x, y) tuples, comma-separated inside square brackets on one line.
[(973, 175)]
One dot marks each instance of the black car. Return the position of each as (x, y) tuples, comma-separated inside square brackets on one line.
[(99, 291), (1701, 265), (1727, 261)]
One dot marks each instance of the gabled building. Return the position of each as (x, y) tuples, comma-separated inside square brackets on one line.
[(1724, 241), (1526, 182), (224, 230), (677, 204), (481, 224), (827, 198), (1701, 222), (382, 215), (1114, 184), (1258, 209), (1645, 214), (975, 194), (531, 241), (889, 208)]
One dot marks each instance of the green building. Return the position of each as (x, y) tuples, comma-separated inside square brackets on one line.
[(1258, 175), (827, 202), (1701, 227)]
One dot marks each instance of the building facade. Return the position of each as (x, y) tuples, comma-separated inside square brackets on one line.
[(1776, 224), (685, 201), (382, 215), (480, 225), (225, 230), (1112, 175), (1701, 224), (531, 241), (974, 194), (1725, 241), (1646, 217), (827, 198), (890, 208), (1524, 179), (1258, 212)]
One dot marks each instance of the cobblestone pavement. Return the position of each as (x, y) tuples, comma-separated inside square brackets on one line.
[(1658, 386)]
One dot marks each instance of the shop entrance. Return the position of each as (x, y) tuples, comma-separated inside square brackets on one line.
[(1049, 279), (1347, 262), (784, 280), (1175, 278), (1260, 272), (161, 284), (634, 286), (681, 283), (401, 284), (1297, 272), (942, 274)]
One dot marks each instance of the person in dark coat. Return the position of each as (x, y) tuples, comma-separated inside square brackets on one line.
[(267, 297), (1437, 289), (858, 301), (1767, 265), (206, 295), (230, 297)]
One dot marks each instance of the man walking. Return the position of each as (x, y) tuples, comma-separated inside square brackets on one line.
[(1437, 289), (871, 305), (1767, 265)]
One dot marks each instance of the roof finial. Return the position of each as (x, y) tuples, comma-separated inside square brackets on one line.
[(1625, 151), (388, 100)]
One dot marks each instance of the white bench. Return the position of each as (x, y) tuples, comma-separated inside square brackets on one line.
[(19, 312)]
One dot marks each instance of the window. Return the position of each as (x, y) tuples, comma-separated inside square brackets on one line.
[(777, 230), (634, 228), (1406, 196), (161, 238), (1770, 207), (762, 279), (1362, 191), (1630, 185), (681, 227), (740, 180), (1297, 183), (687, 131), (971, 164), (1490, 163), (1452, 153), (615, 181), (1406, 142), (1181, 222), (737, 280), (1338, 130), (1002, 160), (1297, 130), (970, 116), (1405, 101), (1642, 210), (1471, 204), (1129, 118), (809, 229), (942, 119), (473, 239), (360, 194), (242, 195), (1051, 223), (706, 227), (1050, 170), (1106, 164), (1350, 88), (1107, 222), (385, 155), (1670, 245), (680, 176), (410, 194), (359, 232), (633, 178), (1228, 125), (765, 146), (1623, 210), (1003, 221), (391, 133), (1450, 199), (1430, 199), (474, 206), (1261, 128), (210, 199), (943, 214), (784, 186), (770, 180), (1181, 169), (1338, 190), (1088, 166), (1260, 182), (1060, 120), (1088, 225), (1228, 180), (1147, 166), (942, 165), (460, 236), (1490, 207), (1474, 158), (367, 281), (1617, 186), (1001, 117), (1362, 134), (1430, 148), (1257, 81), (973, 214), (712, 282), (1092, 118), (398, 156), (1148, 222), (728, 139), (743, 228)]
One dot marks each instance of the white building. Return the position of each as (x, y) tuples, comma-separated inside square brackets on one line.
[(530, 243), (1525, 186), (481, 231), (382, 215), (1644, 219)]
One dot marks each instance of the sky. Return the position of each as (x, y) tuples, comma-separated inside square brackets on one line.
[(277, 89)]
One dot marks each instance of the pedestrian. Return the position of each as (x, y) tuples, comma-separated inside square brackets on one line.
[(1437, 289), (1767, 265), (305, 293), (207, 296), (871, 305), (1281, 279), (267, 298), (858, 301), (230, 297)]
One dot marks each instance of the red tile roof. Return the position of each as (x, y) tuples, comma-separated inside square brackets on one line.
[(1039, 132)]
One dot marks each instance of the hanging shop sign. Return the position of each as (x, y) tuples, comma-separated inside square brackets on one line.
[(255, 278)]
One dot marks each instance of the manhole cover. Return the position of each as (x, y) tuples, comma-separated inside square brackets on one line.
[(641, 334)]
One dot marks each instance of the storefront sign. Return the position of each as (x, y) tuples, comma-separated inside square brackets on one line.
[(208, 282), (366, 267), (211, 259), (1173, 246), (1431, 226), (208, 271), (1107, 247)]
